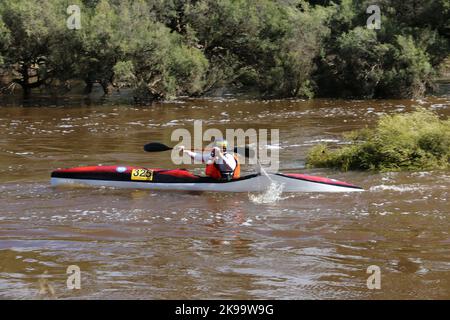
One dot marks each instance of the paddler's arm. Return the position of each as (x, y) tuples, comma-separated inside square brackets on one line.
[(196, 155)]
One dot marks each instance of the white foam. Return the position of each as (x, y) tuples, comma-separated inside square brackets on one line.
[(399, 188), (271, 195)]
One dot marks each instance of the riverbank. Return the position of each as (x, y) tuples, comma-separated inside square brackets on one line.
[(77, 97)]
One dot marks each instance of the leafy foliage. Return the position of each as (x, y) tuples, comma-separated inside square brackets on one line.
[(282, 48), (397, 61), (31, 31)]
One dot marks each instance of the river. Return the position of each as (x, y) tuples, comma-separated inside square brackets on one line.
[(178, 245)]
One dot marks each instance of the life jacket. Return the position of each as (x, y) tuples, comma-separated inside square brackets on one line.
[(212, 170)]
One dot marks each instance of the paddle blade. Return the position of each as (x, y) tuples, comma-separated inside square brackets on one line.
[(156, 147)]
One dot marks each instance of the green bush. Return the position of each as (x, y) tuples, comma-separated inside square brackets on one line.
[(413, 141)]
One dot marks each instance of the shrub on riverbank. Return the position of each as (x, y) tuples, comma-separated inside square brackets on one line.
[(413, 141)]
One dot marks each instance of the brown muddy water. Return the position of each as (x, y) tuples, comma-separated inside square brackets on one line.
[(170, 245)]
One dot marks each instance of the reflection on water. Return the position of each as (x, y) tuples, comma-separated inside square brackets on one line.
[(143, 244)]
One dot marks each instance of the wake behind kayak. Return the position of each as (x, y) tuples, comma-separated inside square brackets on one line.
[(179, 179)]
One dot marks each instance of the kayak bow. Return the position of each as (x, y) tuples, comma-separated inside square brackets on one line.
[(181, 179)]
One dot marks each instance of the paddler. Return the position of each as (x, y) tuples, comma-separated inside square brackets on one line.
[(220, 164)]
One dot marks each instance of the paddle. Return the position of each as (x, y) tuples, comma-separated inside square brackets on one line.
[(157, 147)]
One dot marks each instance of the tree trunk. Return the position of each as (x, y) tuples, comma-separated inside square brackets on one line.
[(89, 86), (107, 87), (26, 92), (25, 82)]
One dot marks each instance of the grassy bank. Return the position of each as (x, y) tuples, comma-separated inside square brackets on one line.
[(414, 141)]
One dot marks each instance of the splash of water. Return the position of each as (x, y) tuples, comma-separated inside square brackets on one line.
[(271, 195), (273, 192)]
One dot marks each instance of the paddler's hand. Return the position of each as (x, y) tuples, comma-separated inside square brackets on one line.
[(215, 152), (181, 148), (218, 153)]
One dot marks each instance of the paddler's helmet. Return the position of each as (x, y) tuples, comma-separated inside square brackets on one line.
[(222, 144)]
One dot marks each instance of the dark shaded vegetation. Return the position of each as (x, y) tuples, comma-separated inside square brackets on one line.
[(282, 48), (413, 141)]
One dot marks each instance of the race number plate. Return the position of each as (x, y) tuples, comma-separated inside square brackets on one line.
[(142, 174)]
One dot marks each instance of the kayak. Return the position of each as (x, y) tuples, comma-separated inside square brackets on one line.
[(180, 179)]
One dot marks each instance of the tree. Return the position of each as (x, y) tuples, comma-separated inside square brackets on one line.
[(265, 44), (408, 71), (289, 75), (33, 28), (396, 61), (227, 32), (282, 48), (356, 67), (99, 46), (155, 60), (5, 38)]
